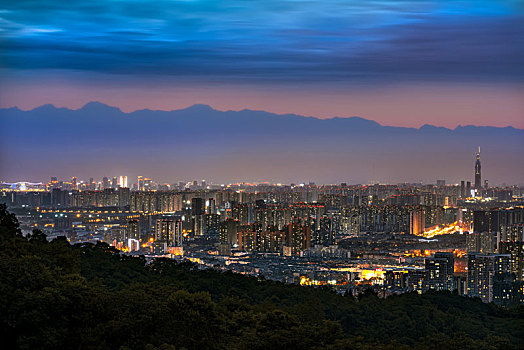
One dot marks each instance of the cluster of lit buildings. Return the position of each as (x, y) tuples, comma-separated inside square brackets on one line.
[(392, 238)]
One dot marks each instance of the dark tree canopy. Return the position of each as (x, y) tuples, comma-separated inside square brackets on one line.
[(58, 296)]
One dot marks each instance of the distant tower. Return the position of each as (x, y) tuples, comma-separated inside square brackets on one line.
[(478, 177)]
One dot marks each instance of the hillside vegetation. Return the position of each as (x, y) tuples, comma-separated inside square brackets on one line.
[(58, 296)]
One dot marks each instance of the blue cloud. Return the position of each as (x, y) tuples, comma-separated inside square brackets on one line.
[(268, 39)]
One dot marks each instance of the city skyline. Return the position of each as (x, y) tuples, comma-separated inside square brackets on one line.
[(391, 239), (121, 181)]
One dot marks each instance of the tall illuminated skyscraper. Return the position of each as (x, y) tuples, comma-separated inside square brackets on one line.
[(140, 183), (478, 177), (122, 181)]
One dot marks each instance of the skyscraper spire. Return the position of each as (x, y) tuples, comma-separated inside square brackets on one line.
[(478, 177)]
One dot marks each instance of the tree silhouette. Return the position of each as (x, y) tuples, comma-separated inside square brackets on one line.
[(58, 296)]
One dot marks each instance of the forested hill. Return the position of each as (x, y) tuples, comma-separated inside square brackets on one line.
[(58, 296)]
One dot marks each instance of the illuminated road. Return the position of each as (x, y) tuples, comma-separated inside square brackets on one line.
[(444, 230)]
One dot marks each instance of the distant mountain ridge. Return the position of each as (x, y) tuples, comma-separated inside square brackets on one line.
[(98, 107), (246, 144)]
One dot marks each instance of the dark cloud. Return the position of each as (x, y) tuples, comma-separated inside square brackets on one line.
[(269, 40)]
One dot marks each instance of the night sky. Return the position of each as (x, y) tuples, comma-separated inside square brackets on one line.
[(400, 63)]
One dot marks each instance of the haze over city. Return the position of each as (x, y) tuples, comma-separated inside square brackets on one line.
[(253, 146)]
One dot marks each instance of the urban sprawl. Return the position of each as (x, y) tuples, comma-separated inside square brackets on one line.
[(466, 238)]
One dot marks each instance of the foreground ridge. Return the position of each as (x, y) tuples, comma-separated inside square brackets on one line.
[(90, 296)]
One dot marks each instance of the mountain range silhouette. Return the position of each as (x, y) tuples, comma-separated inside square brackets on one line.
[(246, 144)]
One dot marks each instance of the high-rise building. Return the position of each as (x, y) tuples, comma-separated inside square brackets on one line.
[(105, 183), (482, 270), (270, 240), (133, 235), (486, 230), (169, 231), (247, 239), (516, 251), (122, 182), (297, 238), (481, 221), (439, 271), (507, 290), (467, 194), (512, 232), (211, 206), (178, 235), (163, 230), (228, 232), (212, 224), (124, 196), (197, 206), (198, 225), (478, 177), (462, 189), (241, 213), (147, 184), (197, 216), (325, 234), (416, 222), (133, 229), (480, 242), (59, 198)]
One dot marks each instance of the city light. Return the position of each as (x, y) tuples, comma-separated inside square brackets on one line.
[(392, 238), (442, 230)]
